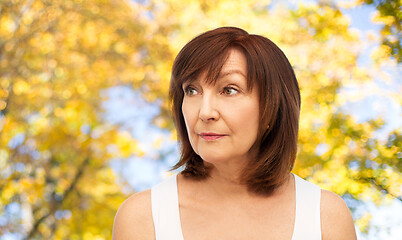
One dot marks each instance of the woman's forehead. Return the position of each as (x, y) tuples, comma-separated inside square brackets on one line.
[(235, 64)]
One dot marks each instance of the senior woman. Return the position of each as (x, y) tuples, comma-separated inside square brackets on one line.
[(236, 106)]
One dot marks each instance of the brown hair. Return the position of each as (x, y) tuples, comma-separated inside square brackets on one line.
[(270, 72)]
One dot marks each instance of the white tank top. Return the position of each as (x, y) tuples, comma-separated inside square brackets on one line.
[(165, 210)]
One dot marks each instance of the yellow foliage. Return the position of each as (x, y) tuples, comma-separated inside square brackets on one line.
[(7, 26), (3, 105), (387, 20), (20, 87), (381, 53), (61, 55), (363, 222)]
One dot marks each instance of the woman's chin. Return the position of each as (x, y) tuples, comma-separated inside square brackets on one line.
[(213, 159)]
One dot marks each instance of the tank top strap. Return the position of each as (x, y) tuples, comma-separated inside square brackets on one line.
[(307, 219), (165, 210)]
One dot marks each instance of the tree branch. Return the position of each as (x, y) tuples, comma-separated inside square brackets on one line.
[(57, 203), (382, 188)]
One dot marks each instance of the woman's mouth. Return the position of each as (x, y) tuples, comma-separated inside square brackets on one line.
[(211, 136)]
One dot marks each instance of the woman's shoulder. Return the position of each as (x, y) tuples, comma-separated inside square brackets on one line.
[(134, 218), (336, 219)]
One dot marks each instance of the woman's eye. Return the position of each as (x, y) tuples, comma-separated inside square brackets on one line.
[(190, 91), (229, 91)]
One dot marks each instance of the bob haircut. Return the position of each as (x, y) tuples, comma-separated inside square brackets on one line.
[(269, 71)]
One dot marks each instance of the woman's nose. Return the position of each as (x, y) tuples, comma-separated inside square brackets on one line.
[(208, 110)]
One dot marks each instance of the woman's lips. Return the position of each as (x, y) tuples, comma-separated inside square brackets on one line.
[(211, 136)]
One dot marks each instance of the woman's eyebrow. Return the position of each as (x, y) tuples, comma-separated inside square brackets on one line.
[(229, 72)]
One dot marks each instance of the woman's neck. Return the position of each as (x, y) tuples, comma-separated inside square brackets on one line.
[(226, 182)]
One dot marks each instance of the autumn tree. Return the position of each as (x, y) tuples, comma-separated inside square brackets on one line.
[(58, 58), (389, 14)]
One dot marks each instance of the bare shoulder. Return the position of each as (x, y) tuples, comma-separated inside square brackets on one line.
[(336, 220), (134, 218)]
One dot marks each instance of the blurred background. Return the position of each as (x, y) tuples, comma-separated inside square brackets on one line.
[(85, 118)]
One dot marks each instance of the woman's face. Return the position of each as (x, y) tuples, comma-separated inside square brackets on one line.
[(222, 119)]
